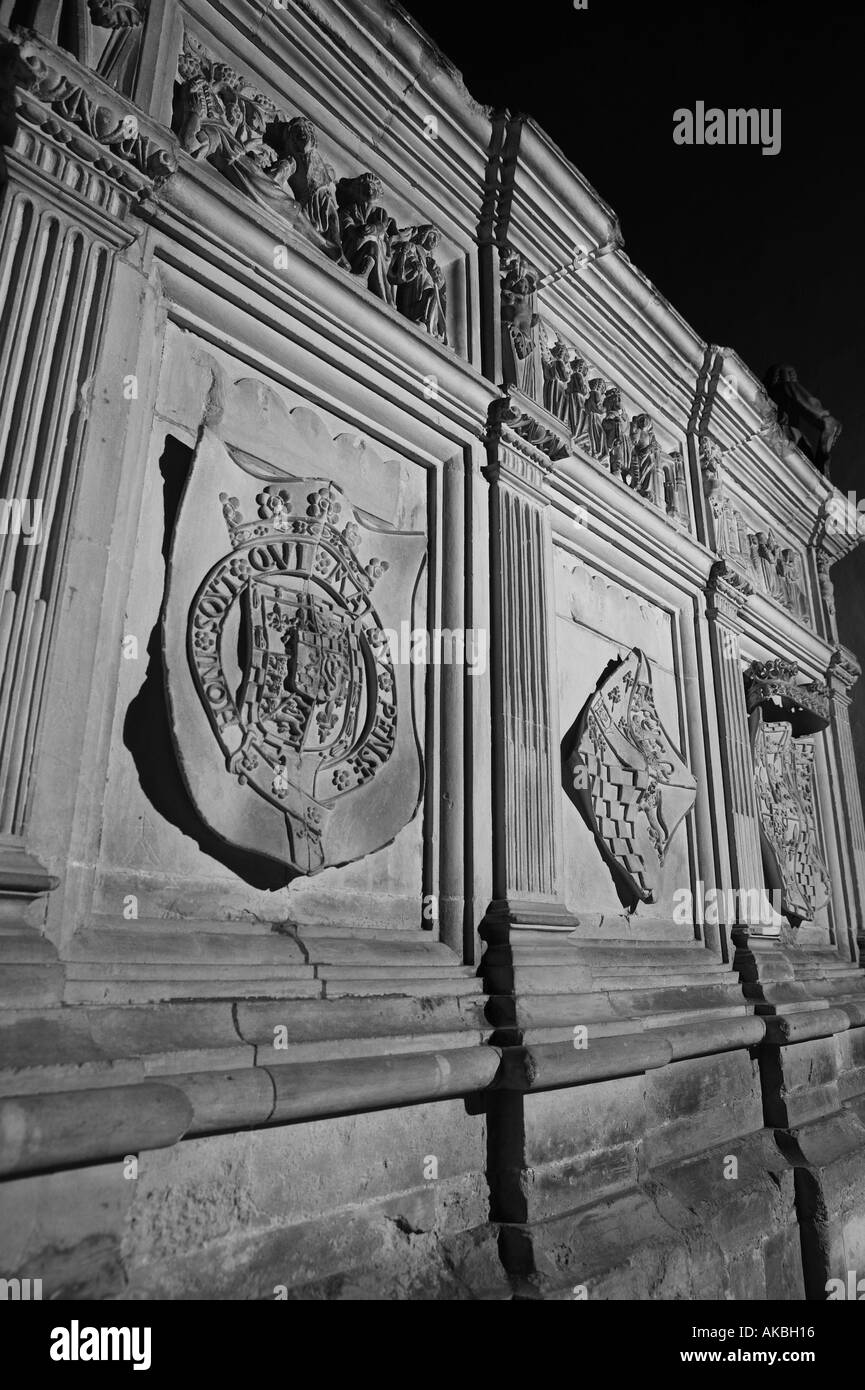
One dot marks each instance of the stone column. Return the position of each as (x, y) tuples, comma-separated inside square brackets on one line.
[(527, 813), (846, 805), (727, 593), (78, 159)]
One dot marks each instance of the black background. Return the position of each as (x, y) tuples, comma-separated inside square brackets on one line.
[(759, 253)]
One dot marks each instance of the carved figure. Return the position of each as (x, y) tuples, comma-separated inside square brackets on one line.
[(212, 115), (366, 231), (557, 377), (593, 414), (824, 575), (521, 347), (616, 433), (577, 395), (768, 556), (421, 293), (798, 412), (118, 61), (792, 586), (313, 181), (647, 468)]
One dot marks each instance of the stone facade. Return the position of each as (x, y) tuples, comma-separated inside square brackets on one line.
[(330, 973)]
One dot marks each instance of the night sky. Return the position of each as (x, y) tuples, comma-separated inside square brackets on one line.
[(759, 253)]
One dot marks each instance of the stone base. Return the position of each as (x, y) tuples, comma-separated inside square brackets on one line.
[(375, 1206), (31, 975)]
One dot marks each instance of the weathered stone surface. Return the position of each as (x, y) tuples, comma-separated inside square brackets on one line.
[(317, 983), (306, 752)]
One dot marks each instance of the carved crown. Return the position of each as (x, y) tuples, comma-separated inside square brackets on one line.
[(289, 511), (773, 687)]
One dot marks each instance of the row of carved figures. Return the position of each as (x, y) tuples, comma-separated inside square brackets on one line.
[(223, 120), (556, 376), (775, 570)]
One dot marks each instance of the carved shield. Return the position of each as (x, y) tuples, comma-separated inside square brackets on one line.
[(294, 728), (625, 778), (783, 780)]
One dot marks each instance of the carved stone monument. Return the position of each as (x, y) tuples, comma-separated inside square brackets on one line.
[(418, 659), (294, 728), (625, 777), (785, 717)]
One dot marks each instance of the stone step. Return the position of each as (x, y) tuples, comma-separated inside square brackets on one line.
[(185, 970), (438, 989), (95, 991), (387, 972), (348, 1018), (133, 946)]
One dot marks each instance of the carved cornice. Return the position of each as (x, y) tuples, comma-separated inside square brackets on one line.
[(536, 427), (727, 590), (773, 686), (843, 672), (517, 457), (76, 110)]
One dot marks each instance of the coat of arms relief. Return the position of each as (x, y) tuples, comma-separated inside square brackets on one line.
[(785, 719), (625, 777), (295, 730)]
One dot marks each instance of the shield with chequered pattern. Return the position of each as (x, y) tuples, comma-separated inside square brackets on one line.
[(625, 777)]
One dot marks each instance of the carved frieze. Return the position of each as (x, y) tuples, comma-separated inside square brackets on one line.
[(225, 120), (293, 724), (98, 129), (626, 779), (774, 570), (785, 717), (578, 406)]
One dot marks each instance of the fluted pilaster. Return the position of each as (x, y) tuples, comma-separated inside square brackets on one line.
[(527, 758), (727, 593)]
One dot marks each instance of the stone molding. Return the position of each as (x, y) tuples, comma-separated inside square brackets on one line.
[(727, 592), (843, 673), (79, 111)]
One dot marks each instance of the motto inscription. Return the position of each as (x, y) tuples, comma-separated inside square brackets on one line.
[(286, 647)]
